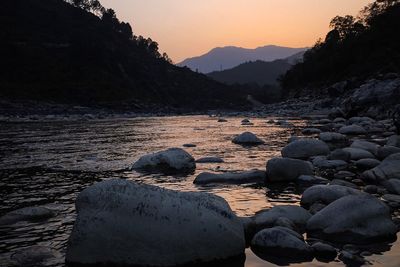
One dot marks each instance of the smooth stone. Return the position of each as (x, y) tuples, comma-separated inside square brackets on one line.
[(392, 186), (316, 207), (170, 160), (279, 241), (371, 189), (310, 179), (247, 138), (388, 169), (189, 145), (391, 198), (245, 121), (305, 148), (394, 140), (332, 137), (352, 130), (365, 145), (324, 250), (324, 121), (326, 194), (367, 164), (210, 160), (222, 120), (353, 120), (386, 151), (341, 222), (125, 223), (343, 183), (339, 154), (253, 176), (340, 120), (311, 131), (286, 169), (285, 222), (358, 153), (35, 256), (323, 163), (343, 175), (27, 214)]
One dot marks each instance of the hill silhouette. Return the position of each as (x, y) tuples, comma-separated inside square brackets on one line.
[(222, 58), (81, 53)]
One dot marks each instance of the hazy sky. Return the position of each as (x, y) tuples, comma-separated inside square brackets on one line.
[(186, 28)]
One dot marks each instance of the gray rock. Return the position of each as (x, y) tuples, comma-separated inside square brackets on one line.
[(391, 198), (324, 250), (316, 207), (279, 241), (305, 148), (394, 140), (358, 153), (36, 256), (332, 137), (115, 216), (388, 169), (253, 176), (344, 175), (170, 160), (247, 138), (386, 151), (285, 169), (339, 154), (27, 214), (189, 145), (222, 120), (210, 160), (341, 222), (371, 189), (352, 130), (343, 183), (340, 120), (311, 131), (326, 194), (353, 120), (392, 186), (367, 164), (323, 163), (365, 145), (310, 179)]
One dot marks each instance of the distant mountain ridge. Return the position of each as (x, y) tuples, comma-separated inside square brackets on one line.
[(259, 72), (222, 58)]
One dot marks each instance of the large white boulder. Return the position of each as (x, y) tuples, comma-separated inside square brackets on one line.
[(326, 194), (305, 148), (170, 160), (353, 219), (247, 138), (122, 222), (286, 169), (253, 176)]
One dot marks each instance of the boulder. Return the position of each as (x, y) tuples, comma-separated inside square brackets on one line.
[(358, 219), (352, 130), (388, 169), (354, 120), (343, 183), (323, 163), (311, 131), (394, 140), (253, 176), (27, 214), (285, 169), (367, 164), (247, 138), (324, 250), (210, 160), (170, 160), (120, 222), (305, 148), (326, 194), (365, 145), (339, 154), (393, 186), (386, 151), (280, 241), (332, 137), (358, 153)]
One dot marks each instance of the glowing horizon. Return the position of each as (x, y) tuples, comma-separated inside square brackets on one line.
[(188, 28)]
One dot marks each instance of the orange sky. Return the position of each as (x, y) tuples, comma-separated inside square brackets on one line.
[(186, 28)]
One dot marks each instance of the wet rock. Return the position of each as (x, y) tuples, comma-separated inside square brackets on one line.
[(210, 160), (253, 176), (352, 130), (343, 183), (365, 145), (394, 140), (341, 222), (386, 151), (286, 169), (247, 138), (323, 250), (339, 154), (392, 186), (285, 222), (310, 179), (367, 164), (269, 218), (305, 148), (326, 194), (358, 153), (170, 160), (115, 216), (280, 241), (340, 120), (311, 131), (27, 214), (323, 163), (388, 169)]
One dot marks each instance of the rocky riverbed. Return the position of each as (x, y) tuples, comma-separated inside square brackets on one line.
[(333, 197)]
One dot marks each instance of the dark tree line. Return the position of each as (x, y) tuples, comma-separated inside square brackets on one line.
[(355, 48)]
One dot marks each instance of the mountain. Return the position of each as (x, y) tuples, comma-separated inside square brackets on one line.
[(354, 51), (259, 72), (223, 58), (54, 51)]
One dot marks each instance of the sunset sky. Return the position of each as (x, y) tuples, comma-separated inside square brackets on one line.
[(187, 28)]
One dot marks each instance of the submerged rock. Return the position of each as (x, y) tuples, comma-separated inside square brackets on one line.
[(286, 169), (247, 138), (254, 176), (358, 219), (27, 214), (122, 222), (170, 160), (305, 148)]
